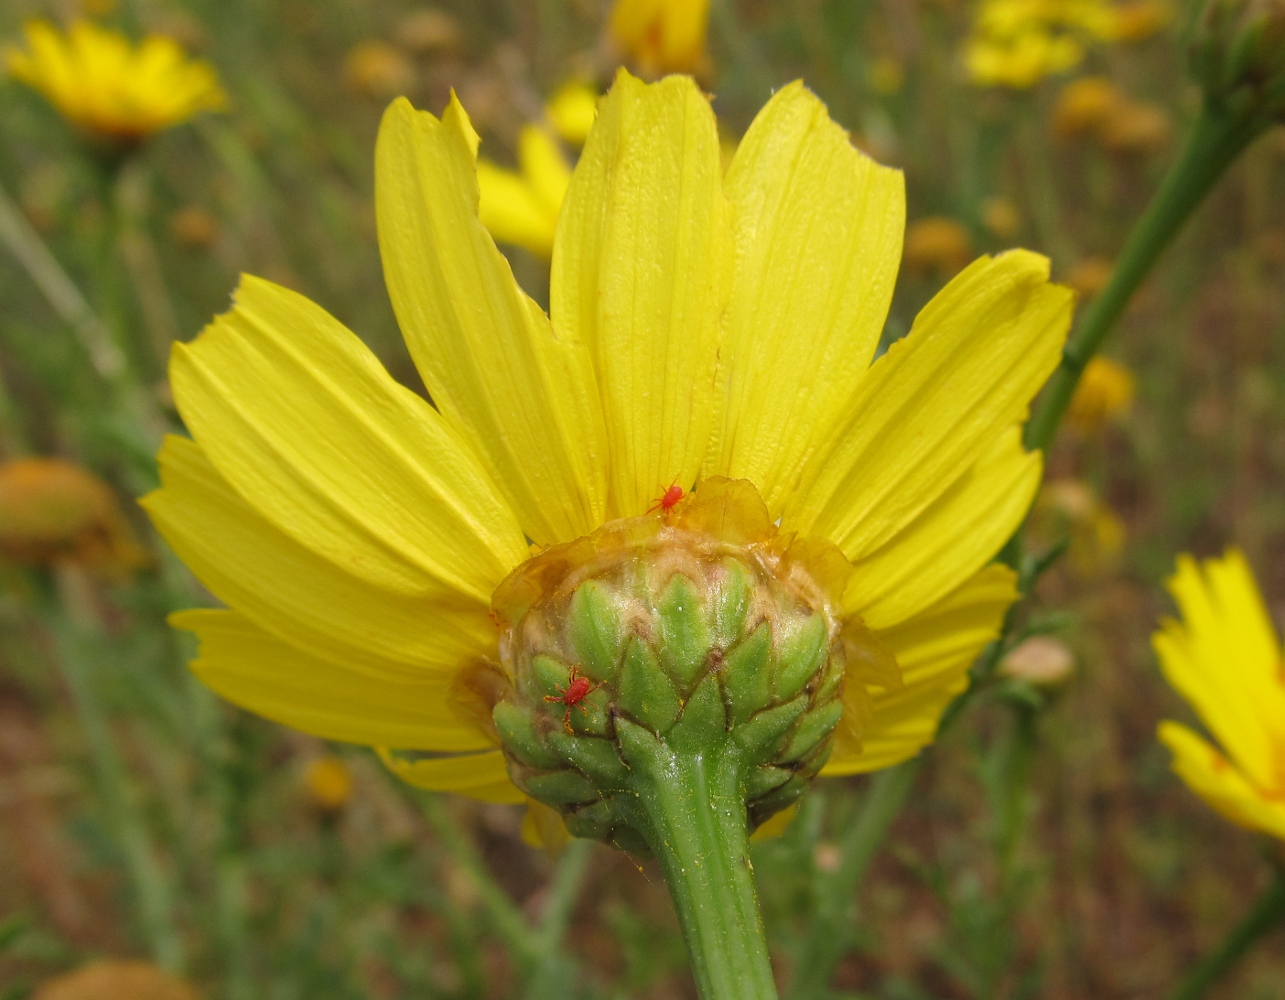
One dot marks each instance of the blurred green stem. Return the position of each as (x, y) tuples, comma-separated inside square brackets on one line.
[(832, 924), (1268, 913), (150, 885), (1216, 139)]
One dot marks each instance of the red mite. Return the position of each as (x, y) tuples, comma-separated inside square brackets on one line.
[(668, 500), (577, 690)]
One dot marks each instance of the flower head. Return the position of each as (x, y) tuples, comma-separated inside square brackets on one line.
[(328, 782), (1224, 657), (1105, 393), (661, 36), (937, 244), (110, 88), (1017, 43), (694, 449)]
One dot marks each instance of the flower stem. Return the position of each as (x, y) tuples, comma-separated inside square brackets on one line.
[(1268, 912), (1216, 139), (692, 814)]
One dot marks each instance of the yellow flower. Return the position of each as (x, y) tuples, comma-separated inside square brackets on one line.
[(329, 782), (937, 244), (701, 326), (1001, 217), (53, 511), (1017, 43), (1089, 276), (1083, 105), (110, 88), (661, 36), (377, 69), (1105, 393), (1097, 532), (1224, 658), (1139, 20), (521, 206)]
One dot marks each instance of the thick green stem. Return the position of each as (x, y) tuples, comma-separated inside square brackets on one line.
[(1217, 138), (1268, 912), (692, 814)]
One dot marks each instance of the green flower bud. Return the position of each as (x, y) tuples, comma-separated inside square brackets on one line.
[(697, 633), (1238, 57)]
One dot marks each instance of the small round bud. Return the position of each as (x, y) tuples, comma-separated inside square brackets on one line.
[(1040, 660)]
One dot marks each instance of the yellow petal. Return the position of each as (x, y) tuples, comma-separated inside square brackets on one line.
[(977, 354), (951, 539), (298, 595), (511, 211), (663, 35), (525, 399), (572, 110), (478, 775), (935, 650), (1220, 783), (302, 420), (641, 271), (544, 166), (818, 228), (321, 695), (1224, 658)]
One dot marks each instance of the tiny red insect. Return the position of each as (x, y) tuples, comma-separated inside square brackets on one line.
[(577, 690), (668, 500)]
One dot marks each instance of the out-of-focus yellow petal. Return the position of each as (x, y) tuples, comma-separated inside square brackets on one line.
[(511, 210), (544, 166), (543, 827), (818, 228), (641, 273), (571, 111), (934, 650), (925, 411), (1220, 783), (302, 420), (305, 598), (478, 775), (776, 824), (951, 539), (323, 695), (523, 396), (1224, 658)]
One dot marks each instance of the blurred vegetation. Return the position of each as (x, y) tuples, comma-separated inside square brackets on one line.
[(1046, 851)]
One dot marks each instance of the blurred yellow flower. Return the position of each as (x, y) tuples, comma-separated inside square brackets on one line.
[(661, 36), (329, 782), (53, 511), (571, 111), (1140, 20), (114, 979), (1097, 533), (1001, 218), (887, 74), (1105, 393), (109, 87), (1017, 43), (429, 30), (194, 227), (521, 206), (1083, 105), (937, 245), (712, 330), (1224, 657), (379, 70), (1089, 276), (1135, 127)]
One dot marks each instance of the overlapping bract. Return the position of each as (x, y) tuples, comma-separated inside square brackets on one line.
[(700, 326)]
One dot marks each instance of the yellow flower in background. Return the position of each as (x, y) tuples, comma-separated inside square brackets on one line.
[(1140, 20), (1097, 533), (521, 206), (1017, 43), (937, 245), (328, 782), (53, 511), (571, 111), (1224, 657), (111, 88), (661, 36), (377, 69), (1105, 393), (1083, 105), (115, 979), (704, 329)]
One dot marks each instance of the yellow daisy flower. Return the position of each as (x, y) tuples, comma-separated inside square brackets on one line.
[(661, 36), (704, 389), (1017, 43), (1224, 658), (107, 86), (521, 206)]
